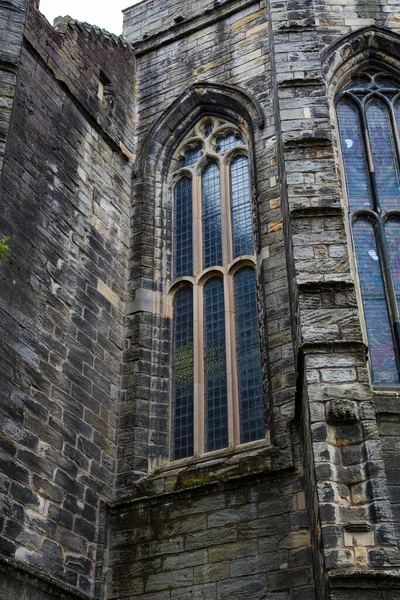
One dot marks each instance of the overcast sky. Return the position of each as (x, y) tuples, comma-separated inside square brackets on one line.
[(104, 13)]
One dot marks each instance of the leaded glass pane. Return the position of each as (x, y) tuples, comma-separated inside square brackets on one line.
[(359, 82), (397, 111), (382, 147), (354, 157), (183, 373), (228, 141), (211, 209), (183, 223), (215, 382), (248, 356), (191, 156), (242, 229), (383, 359), (208, 128), (393, 240)]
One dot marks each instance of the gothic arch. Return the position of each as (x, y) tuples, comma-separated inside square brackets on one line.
[(199, 99), (368, 46)]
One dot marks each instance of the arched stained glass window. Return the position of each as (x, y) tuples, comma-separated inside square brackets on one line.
[(368, 112), (217, 393), (183, 372)]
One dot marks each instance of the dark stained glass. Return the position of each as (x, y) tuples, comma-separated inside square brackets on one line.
[(242, 228), (211, 213), (354, 156), (397, 112), (380, 338), (215, 381), (382, 147), (183, 223), (183, 373), (359, 82), (208, 128), (392, 228), (248, 356), (228, 141), (191, 156)]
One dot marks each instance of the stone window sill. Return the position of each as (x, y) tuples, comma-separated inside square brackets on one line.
[(213, 468)]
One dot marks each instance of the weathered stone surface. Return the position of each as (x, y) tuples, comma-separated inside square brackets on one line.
[(87, 125)]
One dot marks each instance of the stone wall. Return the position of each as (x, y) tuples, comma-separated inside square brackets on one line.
[(245, 538), (12, 23), (65, 202), (227, 46)]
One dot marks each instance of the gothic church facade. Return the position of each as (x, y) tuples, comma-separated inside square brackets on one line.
[(199, 321)]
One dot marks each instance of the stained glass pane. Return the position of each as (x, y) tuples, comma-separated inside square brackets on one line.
[(242, 228), (397, 111), (359, 82), (208, 128), (354, 157), (393, 240), (211, 207), (215, 382), (183, 372), (191, 156), (386, 82), (381, 346), (248, 357), (183, 223), (226, 142), (382, 147)]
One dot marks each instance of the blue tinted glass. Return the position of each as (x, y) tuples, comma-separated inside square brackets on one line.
[(208, 128), (392, 228), (211, 207), (215, 383), (191, 156), (397, 111), (381, 346), (242, 228), (183, 220), (248, 357), (354, 157), (359, 82), (228, 141), (382, 147), (183, 373)]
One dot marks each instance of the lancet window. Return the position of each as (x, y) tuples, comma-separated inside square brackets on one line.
[(368, 110), (216, 373)]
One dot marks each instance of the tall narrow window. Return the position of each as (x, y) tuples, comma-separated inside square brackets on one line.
[(217, 394), (368, 112)]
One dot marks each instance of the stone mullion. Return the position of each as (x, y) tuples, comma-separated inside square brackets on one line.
[(346, 462)]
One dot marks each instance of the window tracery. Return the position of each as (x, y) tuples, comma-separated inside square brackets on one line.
[(216, 370), (368, 110)]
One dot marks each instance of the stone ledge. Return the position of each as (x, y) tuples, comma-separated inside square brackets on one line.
[(376, 579), (19, 577), (231, 466)]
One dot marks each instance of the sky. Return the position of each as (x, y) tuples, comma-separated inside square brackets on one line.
[(103, 13)]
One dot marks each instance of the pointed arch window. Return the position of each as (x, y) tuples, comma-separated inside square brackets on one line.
[(216, 367), (368, 110)]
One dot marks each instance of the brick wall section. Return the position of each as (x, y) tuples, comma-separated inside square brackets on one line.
[(230, 48), (12, 23), (65, 202), (244, 539)]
